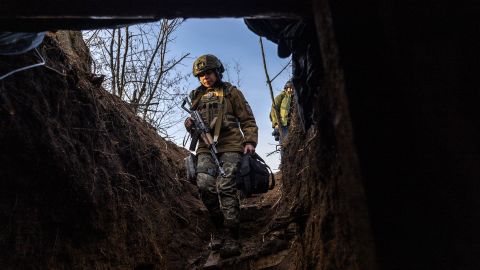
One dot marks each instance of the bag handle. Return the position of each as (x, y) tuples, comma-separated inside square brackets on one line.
[(272, 185)]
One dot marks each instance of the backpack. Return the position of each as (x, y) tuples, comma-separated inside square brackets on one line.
[(253, 175)]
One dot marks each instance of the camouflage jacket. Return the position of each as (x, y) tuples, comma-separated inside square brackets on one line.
[(237, 114)]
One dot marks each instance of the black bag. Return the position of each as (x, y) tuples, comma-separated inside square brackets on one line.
[(253, 175)]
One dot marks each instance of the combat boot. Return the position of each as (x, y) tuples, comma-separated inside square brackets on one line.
[(231, 246), (217, 240)]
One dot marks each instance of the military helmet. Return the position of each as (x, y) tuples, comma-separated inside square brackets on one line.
[(206, 62)]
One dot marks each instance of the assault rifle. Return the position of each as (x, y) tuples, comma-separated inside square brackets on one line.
[(204, 132)]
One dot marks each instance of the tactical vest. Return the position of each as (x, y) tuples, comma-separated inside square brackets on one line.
[(212, 104)]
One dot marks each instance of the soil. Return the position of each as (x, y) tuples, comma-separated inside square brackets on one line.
[(265, 238), (381, 171), (86, 184)]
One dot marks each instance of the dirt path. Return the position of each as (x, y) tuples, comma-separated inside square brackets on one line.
[(265, 238)]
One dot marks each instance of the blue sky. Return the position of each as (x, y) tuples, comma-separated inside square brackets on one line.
[(231, 41)]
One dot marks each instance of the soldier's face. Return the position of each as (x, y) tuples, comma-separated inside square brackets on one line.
[(207, 78), (289, 90)]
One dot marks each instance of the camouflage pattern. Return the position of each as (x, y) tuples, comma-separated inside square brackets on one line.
[(219, 194), (236, 113), (206, 62)]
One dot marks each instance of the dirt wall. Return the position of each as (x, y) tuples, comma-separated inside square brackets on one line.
[(86, 184), (387, 173), (323, 192)]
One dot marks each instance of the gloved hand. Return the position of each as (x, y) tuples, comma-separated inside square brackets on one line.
[(249, 148), (189, 124), (276, 134)]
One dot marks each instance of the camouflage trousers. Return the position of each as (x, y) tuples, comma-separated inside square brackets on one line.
[(219, 194)]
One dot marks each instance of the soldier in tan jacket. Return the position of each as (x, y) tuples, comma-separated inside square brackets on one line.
[(224, 108)]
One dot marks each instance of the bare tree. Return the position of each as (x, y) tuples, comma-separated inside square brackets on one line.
[(139, 69), (233, 73)]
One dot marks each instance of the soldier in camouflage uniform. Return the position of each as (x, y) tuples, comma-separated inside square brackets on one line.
[(283, 104), (220, 101)]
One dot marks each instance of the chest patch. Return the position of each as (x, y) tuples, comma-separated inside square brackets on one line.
[(212, 96)]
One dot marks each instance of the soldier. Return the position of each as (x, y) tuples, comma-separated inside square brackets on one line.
[(224, 108), (283, 103)]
